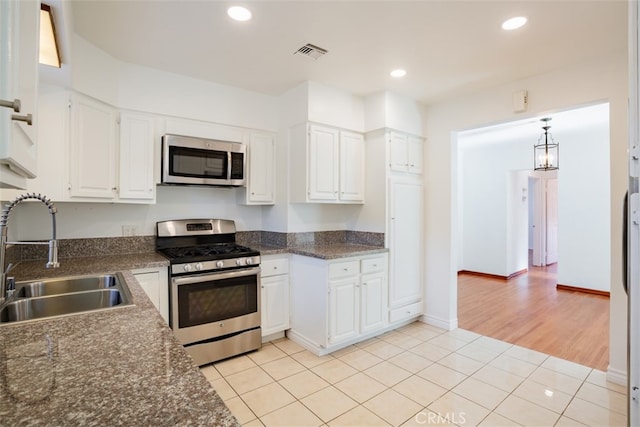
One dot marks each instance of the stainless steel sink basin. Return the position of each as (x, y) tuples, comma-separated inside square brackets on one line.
[(65, 285), (65, 296), (58, 305)]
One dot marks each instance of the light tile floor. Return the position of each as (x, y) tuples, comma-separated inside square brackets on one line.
[(417, 375)]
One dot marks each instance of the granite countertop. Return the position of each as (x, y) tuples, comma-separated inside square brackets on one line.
[(328, 251), (116, 367), (27, 270)]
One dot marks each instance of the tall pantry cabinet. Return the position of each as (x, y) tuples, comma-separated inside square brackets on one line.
[(402, 204)]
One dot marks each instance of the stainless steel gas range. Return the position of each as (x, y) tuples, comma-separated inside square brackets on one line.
[(214, 288)]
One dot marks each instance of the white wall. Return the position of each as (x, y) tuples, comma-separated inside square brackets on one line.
[(390, 110), (30, 221), (599, 80), (584, 218), (517, 222)]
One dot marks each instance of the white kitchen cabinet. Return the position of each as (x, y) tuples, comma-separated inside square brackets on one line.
[(274, 282), (373, 292), (261, 167), (137, 151), (327, 165), (323, 175), (344, 309), (338, 302), (155, 283), (352, 167), (405, 233), (92, 166), (111, 154), (405, 153), (19, 42)]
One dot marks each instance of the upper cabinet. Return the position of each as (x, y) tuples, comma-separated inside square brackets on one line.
[(327, 165), (19, 29), (111, 154), (136, 157), (92, 165), (405, 153), (260, 169)]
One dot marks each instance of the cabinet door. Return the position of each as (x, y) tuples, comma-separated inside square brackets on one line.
[(352, 167), (261, 168), (155, 284), (93, 139), (323, 163), (136, 157), (398, 152), (275, 304), (415, 154), (405, 242), (373, 288), (343, 309), (19, 29)]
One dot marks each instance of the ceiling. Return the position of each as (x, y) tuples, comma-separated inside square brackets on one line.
[(448, 47)]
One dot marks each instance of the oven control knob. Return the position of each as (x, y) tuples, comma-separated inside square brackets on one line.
[(187, 267), (199, 266), (249, 261), (238, 262), (219, 264)]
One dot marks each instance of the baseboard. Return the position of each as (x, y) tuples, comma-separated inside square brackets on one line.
[(584, 290), (617, 376), (438, 322), (493, 276)]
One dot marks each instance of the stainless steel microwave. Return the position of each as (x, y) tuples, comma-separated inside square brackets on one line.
[(196, 161)]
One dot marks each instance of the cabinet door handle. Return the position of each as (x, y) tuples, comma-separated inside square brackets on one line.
[(28, 119), (14, 105)]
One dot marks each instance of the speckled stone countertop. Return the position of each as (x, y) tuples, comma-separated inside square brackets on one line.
[(115, 367), (332, 251), (27, 270)]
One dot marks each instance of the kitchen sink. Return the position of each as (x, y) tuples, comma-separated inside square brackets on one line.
[(65, 296), (65, 285)]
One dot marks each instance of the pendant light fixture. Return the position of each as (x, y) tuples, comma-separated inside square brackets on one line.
[(545, 154)]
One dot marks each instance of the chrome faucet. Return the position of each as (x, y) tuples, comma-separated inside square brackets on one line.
[(5, 283)]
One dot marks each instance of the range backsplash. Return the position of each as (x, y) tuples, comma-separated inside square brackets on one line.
[(136, 244)]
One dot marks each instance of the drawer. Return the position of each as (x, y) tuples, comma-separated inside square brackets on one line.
[(343, 269), (273, 267), (406, 312), (372, 265)]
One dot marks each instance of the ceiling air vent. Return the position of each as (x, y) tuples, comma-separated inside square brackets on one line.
[(310, 50)]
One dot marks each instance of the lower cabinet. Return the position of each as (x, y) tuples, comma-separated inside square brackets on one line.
[(155, 283), (274, 294), (338, 302)]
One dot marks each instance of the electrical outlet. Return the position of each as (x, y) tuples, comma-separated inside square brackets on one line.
[(129, 230)]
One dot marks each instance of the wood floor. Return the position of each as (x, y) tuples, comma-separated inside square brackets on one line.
[(528, 311)]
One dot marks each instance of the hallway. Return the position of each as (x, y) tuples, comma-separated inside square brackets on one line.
[(528, 311)]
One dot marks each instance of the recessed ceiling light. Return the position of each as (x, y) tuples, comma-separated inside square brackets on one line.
[(398, 73), (513, 23), (239, 13)]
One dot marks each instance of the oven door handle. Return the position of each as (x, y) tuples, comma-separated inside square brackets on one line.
[(187, 280)]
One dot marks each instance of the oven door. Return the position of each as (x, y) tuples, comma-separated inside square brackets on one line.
[(208, 306)]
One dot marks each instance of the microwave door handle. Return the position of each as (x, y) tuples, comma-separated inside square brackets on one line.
[(229, 165)]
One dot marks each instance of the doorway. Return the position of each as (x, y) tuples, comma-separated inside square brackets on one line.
[(543, 218)]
